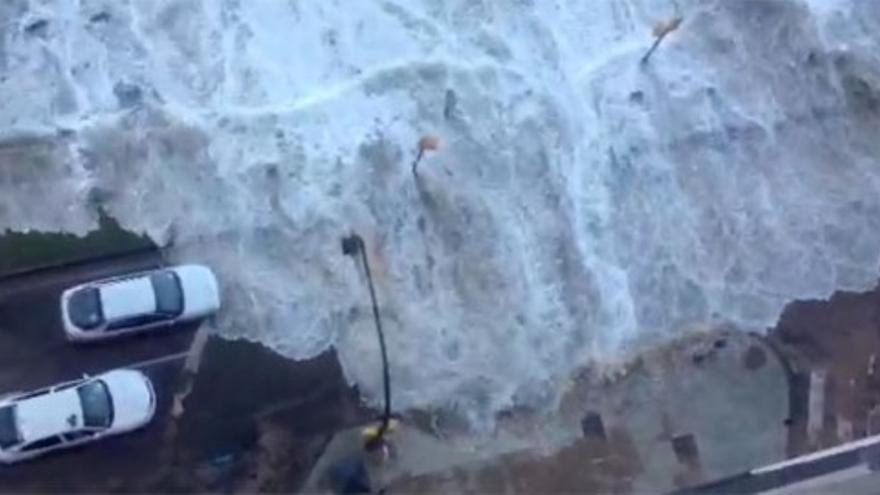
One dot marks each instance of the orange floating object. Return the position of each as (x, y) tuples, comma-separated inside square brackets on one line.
[(429, 143)]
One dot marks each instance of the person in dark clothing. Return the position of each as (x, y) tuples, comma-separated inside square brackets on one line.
[(349, 476)]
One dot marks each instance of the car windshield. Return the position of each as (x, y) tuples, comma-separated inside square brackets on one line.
[(96, 404), (8, 428), (169, 297), (84, 308)]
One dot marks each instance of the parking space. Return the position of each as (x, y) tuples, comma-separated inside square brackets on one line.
[(34, 353), (250, 418)]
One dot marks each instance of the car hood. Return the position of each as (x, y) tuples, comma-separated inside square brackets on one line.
[(133, 397), (201, 294)]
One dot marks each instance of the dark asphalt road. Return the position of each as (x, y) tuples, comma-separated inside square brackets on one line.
[(242, 395), (34, 353)]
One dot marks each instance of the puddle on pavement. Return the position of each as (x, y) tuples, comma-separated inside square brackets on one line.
[(256, 418), (241, 384)]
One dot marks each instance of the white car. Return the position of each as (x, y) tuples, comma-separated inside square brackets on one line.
[(73, 413), (135, 303)]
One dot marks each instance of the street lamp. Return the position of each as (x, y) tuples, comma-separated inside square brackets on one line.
[(351, 246)]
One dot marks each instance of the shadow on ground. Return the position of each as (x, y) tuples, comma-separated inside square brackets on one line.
[(255, 421)]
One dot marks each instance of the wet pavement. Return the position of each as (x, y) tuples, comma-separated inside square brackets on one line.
[(230, 415), (708, 406), (34, 350), (257, 421), (34, 353), (251, 419)]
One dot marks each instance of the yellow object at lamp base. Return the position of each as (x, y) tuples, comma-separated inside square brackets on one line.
[(372, 431)]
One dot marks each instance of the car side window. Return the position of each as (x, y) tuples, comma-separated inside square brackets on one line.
[(43, 444), (77, 435), (135, 321)]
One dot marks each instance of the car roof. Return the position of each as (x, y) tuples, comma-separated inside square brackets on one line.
[(49, 414), (127, 298)]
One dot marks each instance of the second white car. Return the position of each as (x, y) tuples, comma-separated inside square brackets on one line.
[(118, 306), (73, 413)]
